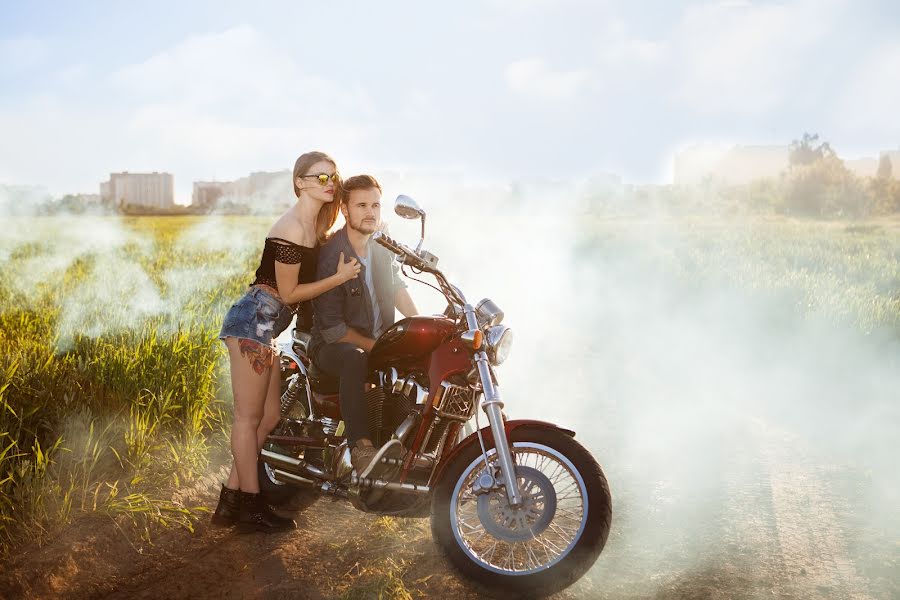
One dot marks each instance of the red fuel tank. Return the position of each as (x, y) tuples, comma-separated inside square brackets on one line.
[(410, 341)]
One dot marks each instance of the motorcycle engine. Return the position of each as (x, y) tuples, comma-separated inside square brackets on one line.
[(386, 412)]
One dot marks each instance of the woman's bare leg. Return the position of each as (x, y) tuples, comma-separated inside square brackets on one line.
[(249, 382), (271, 416)]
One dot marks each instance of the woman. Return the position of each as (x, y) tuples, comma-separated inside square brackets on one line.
[(284, 283)]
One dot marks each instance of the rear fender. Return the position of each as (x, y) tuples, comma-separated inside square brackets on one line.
[(488, 436)]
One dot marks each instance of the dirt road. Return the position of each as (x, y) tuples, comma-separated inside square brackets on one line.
[(774, 523)]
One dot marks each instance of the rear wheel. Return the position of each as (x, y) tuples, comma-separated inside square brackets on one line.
[(539, 547)]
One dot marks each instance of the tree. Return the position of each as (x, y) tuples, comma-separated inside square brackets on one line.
[(819, 184), (885, 168), (804, 152)]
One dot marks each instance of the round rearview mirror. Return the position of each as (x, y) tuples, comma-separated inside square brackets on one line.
[(408, 208)]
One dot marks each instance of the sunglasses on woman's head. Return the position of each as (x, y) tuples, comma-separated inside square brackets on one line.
[(323, 178)]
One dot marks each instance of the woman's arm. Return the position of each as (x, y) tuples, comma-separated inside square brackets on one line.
[(292, 292)]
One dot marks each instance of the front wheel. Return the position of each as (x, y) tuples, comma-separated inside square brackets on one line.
[(540, 547)]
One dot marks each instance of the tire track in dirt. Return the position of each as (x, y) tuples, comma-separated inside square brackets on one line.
[(813, 557), (772, 530)]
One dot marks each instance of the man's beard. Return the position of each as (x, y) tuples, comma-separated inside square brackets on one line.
[(365, 228)]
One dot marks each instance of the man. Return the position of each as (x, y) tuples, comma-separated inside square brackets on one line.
[(350, 317)]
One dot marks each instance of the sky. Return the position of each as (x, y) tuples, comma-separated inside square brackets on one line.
[(500, 90)]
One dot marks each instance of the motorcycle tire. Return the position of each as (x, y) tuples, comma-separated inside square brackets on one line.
[(537, 581), (281, 495)]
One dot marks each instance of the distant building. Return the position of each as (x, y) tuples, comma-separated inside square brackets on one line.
[(260, 192), (862, 167), (735, 165), (743, 164), (207, 193), (894, 157), (265, 184), (149, 190)]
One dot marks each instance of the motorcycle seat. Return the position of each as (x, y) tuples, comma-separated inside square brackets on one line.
[(321, 382)]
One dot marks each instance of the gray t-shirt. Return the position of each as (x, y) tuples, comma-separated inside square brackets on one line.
[(370, 286)]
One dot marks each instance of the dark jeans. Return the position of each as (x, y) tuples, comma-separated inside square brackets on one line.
[(350, 364)]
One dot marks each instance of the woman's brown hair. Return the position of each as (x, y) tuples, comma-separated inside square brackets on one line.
[(328, 214)]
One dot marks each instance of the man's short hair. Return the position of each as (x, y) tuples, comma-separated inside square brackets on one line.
[(359, 182)]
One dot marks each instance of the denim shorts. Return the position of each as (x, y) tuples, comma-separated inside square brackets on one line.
[(257, 316)]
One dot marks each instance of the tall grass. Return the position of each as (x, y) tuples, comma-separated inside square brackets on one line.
[(113, 386), (107, 400)]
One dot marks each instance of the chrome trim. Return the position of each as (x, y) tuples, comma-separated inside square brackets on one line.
[(408, 386), (470, 336), (285, 477), (488, 313), (333, 489), (492, 404), (408, 208), (464, 533), (294, 465), (495, 337), (287, 350), (406, 427), (342, 466), (451, 406), (377, 458), (390, 377), (381, 484), (329, 425), (302, 339), (434, 423)]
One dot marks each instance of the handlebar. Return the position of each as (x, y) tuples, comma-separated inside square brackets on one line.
[(388, 243), (414, 260)]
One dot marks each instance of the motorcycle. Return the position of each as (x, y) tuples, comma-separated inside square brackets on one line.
[(518, 506)]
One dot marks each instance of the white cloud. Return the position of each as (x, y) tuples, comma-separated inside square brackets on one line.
[(213, 105), (533, 77), (19, 54), (621, 50), (738, 58), (870, 101)]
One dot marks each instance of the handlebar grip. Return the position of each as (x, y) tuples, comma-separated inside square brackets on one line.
[(387, 242)]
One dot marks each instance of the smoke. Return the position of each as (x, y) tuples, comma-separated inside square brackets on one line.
[(737, 385), (120, 280), (22, 200), (735, 379)]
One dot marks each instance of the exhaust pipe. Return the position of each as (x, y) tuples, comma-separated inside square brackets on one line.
[(285, 477), (292, 465), (381, 484)]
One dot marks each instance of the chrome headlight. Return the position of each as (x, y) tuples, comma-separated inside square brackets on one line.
[(488, 313), (499, 342)]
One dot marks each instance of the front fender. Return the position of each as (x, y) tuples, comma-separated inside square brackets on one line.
[(488, 436)]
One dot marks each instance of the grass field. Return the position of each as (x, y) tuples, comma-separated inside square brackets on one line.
[(114, 389)]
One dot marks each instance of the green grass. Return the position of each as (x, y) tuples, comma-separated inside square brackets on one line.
[(112, 383), (114, 388)]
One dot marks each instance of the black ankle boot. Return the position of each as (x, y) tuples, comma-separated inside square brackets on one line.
[(228, 508), (255, 515)]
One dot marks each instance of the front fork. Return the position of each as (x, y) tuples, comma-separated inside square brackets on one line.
[(493, 405)]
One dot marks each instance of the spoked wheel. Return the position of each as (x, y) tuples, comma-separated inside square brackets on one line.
[(539, 547)]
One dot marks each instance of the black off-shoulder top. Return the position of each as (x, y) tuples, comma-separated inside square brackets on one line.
[(289, 253)]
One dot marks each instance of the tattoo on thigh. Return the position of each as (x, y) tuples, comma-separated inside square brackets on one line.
[(260, 356)]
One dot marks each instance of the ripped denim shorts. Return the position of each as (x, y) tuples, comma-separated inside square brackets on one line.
[(258, 316)]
